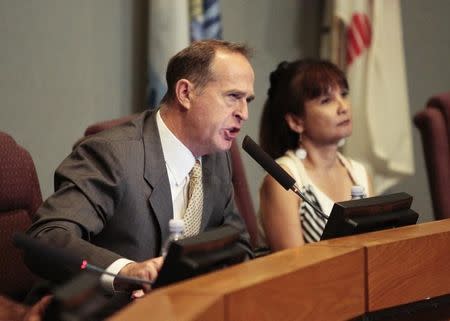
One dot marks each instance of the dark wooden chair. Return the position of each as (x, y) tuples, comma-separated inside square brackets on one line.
[(433, 123), (20, 197)]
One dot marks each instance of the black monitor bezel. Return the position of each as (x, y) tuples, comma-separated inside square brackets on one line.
[(369, 214), (200, 254)]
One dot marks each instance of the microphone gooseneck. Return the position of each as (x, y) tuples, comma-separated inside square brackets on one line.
[(59, 256), (276, 171), (317, 210), (266, 162)]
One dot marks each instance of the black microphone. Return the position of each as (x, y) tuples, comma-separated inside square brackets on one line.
[(276, 171), (58, 255)]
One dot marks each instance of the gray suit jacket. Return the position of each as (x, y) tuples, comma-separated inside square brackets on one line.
[(113, 198)]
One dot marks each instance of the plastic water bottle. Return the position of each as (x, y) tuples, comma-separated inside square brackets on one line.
[(176, 229), (358, 192)]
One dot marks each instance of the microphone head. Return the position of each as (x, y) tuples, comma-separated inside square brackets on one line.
[(266, 162)]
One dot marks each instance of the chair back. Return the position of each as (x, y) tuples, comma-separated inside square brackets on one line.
[(242, 194), (98, 127), (20, 197), (433, 123)]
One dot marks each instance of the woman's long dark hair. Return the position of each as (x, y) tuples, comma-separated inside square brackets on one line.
[(291, 85)]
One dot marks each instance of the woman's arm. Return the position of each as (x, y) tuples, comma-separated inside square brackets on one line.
[(370, 191), (280, 215)]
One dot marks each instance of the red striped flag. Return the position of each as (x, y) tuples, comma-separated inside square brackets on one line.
[(359, 36)]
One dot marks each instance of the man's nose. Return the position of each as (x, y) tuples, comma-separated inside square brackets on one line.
[(242, 111)]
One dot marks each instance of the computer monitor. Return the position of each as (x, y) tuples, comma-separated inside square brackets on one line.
[(369, 214), (205, 252)]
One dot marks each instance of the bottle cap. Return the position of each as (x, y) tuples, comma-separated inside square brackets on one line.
[(176, 225), (358, 190)]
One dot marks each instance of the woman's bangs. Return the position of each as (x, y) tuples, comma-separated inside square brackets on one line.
[(320, 80)]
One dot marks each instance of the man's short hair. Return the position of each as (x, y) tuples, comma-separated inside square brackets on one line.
[(193, 63)]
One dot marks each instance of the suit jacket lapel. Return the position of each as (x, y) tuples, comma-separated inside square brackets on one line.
[(208, 180), (155, 173)]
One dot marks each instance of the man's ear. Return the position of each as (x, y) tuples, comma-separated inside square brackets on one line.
[(183, 91), (295, 122)]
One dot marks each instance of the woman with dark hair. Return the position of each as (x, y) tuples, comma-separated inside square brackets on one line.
[(305, 119)]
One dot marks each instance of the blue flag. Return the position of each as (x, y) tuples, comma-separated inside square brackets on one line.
[(205, 19)]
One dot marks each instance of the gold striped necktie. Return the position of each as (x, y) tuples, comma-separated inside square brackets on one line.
[(193, 215)]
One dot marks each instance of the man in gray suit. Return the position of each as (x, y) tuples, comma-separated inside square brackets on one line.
[(117, 191)]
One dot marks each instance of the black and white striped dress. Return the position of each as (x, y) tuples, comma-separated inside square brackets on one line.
[(313, 224)]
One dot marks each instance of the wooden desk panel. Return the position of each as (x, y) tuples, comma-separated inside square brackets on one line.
[(330, 280), (162, 306), (307, 283), (330, 290), (404, 265)]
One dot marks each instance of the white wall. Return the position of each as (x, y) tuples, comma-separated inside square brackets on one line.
[(64, 65)]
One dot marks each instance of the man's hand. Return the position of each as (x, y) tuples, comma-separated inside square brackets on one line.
[(37, 311), (147, 270), (15, 311)]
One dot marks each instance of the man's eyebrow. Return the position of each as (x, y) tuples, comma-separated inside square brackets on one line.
[(241, 94)]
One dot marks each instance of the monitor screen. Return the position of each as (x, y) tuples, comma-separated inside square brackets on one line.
[(205, 252), (369, 214)]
